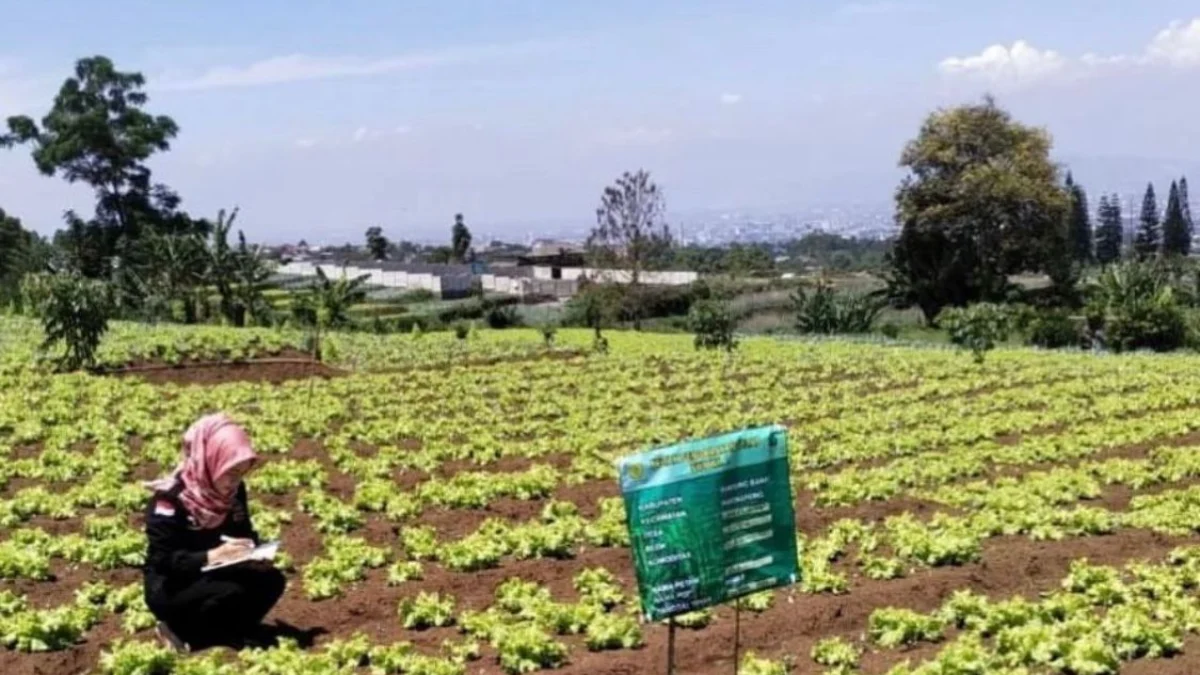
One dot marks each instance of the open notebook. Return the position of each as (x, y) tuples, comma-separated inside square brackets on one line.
[(264, 551)]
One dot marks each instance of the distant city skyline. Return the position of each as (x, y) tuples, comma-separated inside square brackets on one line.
[(321, 120)]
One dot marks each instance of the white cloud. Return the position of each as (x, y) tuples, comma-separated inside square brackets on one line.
[(306, 143), (1176, 45), (304, 67), (401, 130), (880, 7), (1097, 61), (360, 134), (731, 99), (1019, 63)]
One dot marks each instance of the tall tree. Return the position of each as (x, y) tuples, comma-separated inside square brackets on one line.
[(630, 231), (377, 244), (982, 201), (21, 252), (1109, 232), (1176, 240), (1147, 239), (98, 133), (1080, 224), (1186, 204), (460, 240)]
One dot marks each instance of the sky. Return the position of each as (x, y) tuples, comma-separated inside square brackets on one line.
[(319, 119)]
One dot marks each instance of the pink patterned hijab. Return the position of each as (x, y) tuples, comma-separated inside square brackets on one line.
[(212, 447)]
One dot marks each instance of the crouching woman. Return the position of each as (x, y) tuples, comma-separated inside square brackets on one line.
[(198, 517)]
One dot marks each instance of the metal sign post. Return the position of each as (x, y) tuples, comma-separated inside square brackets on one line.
[(737, 636), (671, 646)]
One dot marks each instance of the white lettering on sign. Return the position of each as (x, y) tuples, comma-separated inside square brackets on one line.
[(743, 511), (673, 501), (747, 565), (671, 559), (747, 539), (747, 524), (742, 499), (664, 517)]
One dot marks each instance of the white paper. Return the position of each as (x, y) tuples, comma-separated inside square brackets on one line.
[(265, 551)]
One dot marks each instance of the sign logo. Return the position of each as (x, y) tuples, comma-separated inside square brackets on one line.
[(636, 472)]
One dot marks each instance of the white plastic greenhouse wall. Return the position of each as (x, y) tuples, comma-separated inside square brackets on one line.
[(460, 284)]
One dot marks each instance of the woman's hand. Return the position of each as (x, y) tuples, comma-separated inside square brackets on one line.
[(232, 549)]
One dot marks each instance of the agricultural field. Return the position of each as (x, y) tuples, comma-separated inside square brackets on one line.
[(451, 507)]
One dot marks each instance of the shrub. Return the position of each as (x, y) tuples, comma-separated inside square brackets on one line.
[(75, 313), (594, 306), (890, 330), (548, 331), (1134, 306), (474, 308), (823, 310), (416, 296), (978, 327), (1054, 329), (609, 303), (504, 316), (713, 324)]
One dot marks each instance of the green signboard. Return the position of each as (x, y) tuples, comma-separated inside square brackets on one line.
[(710, 520)]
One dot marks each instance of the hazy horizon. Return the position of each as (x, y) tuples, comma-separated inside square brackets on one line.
[(320, 121)]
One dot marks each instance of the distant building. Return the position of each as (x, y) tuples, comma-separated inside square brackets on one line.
[(542, 248)]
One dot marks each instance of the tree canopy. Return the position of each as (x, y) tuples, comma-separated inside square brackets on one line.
[(630, 231), (1176, 236), (377, 244), (21, 252), (460, 240), (1109, 233), (1080, 223), (982, 201), (97, 132), (1147, 239)]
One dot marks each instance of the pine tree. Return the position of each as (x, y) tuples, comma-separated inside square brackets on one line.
[(1147, 239), (1175, 239), (1109, 231), (1079, 224), (1186, 205)]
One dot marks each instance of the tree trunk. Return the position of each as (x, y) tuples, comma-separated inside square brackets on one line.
[(930, 309)]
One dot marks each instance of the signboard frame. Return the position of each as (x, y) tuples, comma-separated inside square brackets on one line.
[(710, 520)]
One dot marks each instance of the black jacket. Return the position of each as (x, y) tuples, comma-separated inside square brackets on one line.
[(176, 550)]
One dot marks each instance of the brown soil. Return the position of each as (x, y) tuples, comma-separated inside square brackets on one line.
[(1010, 566), (283, 367), (812, 520), (338, 483)]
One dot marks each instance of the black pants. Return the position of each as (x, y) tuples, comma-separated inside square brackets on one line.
[(221, 607)]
